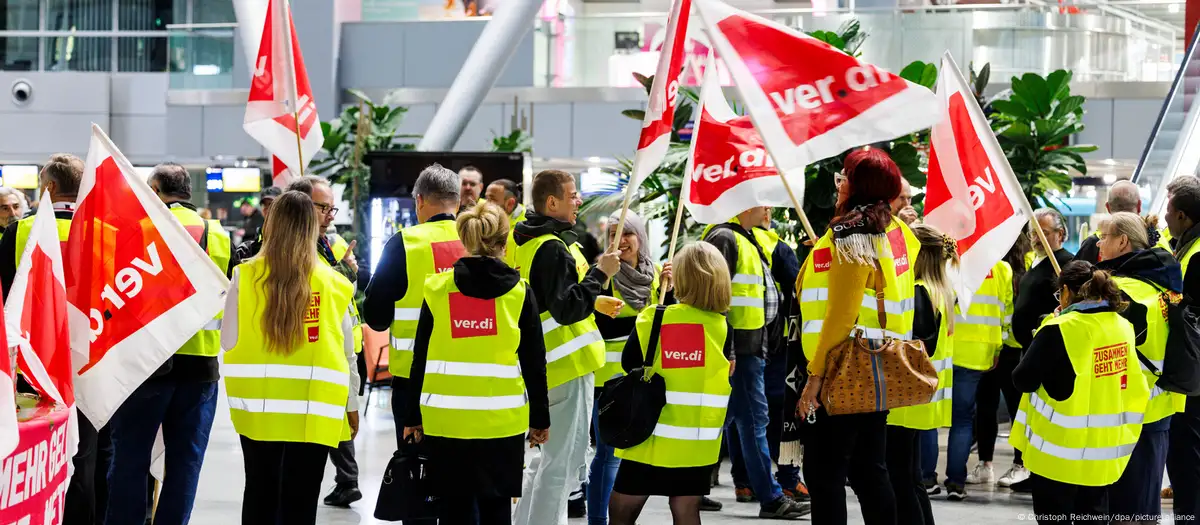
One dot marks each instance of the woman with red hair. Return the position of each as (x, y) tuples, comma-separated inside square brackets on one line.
[(862, 239)]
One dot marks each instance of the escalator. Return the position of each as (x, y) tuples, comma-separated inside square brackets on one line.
[(1173, 148)]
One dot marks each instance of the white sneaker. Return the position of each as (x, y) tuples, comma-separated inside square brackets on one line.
[(1016, 474), (982, 474)]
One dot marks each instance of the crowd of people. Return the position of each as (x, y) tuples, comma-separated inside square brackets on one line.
[(504, 329)]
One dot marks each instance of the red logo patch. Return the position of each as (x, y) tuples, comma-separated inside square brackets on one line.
[(682, 346), (899, 250), (1124, 382), (822, 260), (312, 317), (471, 316), (445, 254)]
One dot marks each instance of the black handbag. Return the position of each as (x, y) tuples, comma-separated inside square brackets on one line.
[(407, 492), (630, 405)]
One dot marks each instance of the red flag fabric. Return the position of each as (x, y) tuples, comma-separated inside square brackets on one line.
[(655, 138), (972, 193), (280, 112), (10, 435), (729, 168), (809, 100), (139, 286)]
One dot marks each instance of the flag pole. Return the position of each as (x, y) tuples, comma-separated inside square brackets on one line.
[(299, 147), (808, 229), (1037, 227)]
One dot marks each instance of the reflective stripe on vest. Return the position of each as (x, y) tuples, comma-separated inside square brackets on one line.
[(301, 396), (696, 373), (473, 387), (613, 347), (206, 342), (429, 248), (897, 250), (572, 350), (979, 333), (935, 413), (1154, 348), (1087, 438)]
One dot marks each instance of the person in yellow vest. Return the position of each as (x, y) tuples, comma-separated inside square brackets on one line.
[(478, 387), (289, 369), (1183, 455), (507, 195), (567, 292), (1084, 398), (1149, 278), (995, 381), (834, 301), (934, 323), (12, 206), (694, 357), (181, 397)]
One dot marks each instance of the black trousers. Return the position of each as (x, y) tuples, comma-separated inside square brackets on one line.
[(80, 505), (467, 509), (851, 447), (1183, 461), (1058, 502), (283, 482), (987, 402), (904, 469)]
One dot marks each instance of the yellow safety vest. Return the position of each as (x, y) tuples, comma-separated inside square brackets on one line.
[(1187, 256), (747, 309), (25, 227), (896, 257), (206, 342), (338, 247), (429, 248), (1162, 403), (614, 346), (299, 397), (473, 387), (935, 413), (510, 250), (979, 335), (572, 350), (768, 239), (691, 361), (1086, 439)]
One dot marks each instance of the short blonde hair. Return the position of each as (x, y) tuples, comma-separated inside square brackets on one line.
[(702, 277), (1132, 226), (483, 230)]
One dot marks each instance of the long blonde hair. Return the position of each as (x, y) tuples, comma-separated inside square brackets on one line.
[(290, 253), (938, 252), (702, 277), (484, 230)]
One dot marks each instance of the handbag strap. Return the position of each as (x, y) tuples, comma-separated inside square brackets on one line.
[(880, 285), (652, 346)]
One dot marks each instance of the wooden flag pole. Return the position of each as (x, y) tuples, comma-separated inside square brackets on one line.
[(1037, 227), (662, 293), (616, 240), (299, 147)]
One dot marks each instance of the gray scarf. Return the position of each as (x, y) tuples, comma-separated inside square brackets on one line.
[(633, 283)]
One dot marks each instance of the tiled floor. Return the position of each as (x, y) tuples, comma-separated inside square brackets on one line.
[(221, 483)]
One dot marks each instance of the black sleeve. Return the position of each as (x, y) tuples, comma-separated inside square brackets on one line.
[(532, 355), (8, 257), (417, 376), (555, 287), (729, 341), (784, 268), (631, 355), (1035, 299), (1135, 313), (926, 320), (1191, 280), (1089, 250), (614, 327), (387, 286), (1046, 364), (725, 242)]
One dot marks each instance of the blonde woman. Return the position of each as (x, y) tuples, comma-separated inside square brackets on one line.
[(694, 355), (290, 367), (478, 387)]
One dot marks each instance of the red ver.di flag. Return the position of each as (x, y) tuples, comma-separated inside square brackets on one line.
[(34, 476), (664, 95), (729, 168), (139, 285), (281, 105), (972, 192), (810, 100)]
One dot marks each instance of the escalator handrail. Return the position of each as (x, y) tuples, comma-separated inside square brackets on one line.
[(1180, 77)]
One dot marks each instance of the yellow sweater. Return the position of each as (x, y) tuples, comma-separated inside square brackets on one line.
[(841, 314)]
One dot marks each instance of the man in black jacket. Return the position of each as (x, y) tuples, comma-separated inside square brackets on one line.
[(1035, 293), (1183, 452), (1122, 196)]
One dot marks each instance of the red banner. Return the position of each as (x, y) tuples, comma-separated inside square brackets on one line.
[(33, 479)]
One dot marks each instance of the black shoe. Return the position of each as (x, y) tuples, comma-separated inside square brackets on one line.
[(708, 504), (955, 491), (931, 486), (343, 496), (577, 508), (784, 508), (1024, 487)]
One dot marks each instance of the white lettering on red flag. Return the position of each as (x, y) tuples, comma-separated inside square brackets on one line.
[(138, 285), (655, 137), (972, 192)]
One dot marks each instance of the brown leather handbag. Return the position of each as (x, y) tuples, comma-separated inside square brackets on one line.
[(872, 375)]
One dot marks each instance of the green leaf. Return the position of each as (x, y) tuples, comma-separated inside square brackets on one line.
[(1068, 105), (635, 114), (1080, 148), (1012, 108), (647, 82), (1058, 84), (981, 81), (1034, 92), (913, 72)]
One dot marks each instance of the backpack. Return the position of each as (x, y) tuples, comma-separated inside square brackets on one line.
[(1181, 363), (630, 405)]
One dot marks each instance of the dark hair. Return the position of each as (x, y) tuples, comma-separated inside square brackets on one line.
[(872, 180), (546, 184), (511, 189), (173, 180), (1186, 199), (1016, 259), (65, 170), (1181, 181), (469, 167), (270, 192), (305, 184), (1086, 282)]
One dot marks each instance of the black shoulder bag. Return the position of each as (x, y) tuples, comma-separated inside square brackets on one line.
[(407, 493), (1181, 363), (630, 405)]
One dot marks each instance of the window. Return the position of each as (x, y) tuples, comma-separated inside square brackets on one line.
[(150, 15), (142, 54), (21, 15), (212, 11), (71, 53), (79, 15), (18, 53)]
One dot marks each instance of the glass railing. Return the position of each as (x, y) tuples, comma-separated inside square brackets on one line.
[(1173, 148), (201, 55)]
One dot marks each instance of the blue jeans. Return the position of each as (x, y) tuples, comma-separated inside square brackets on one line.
[(962, 423), (601, 477), (184, 410), (749, 414), (927, 440)]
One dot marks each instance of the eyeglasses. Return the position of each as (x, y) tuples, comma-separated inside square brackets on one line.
[(1058, 295), (325, 208)]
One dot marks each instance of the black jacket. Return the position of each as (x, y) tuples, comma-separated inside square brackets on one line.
[(1089, 250), (8, 249), (1155, 265), (746, 342), (1046, 363), (552, 277), (1035, 297), (927, 321), (488, 278), (389, 282)]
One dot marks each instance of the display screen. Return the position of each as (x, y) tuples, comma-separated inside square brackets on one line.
[(245, 180), (20, 176)]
